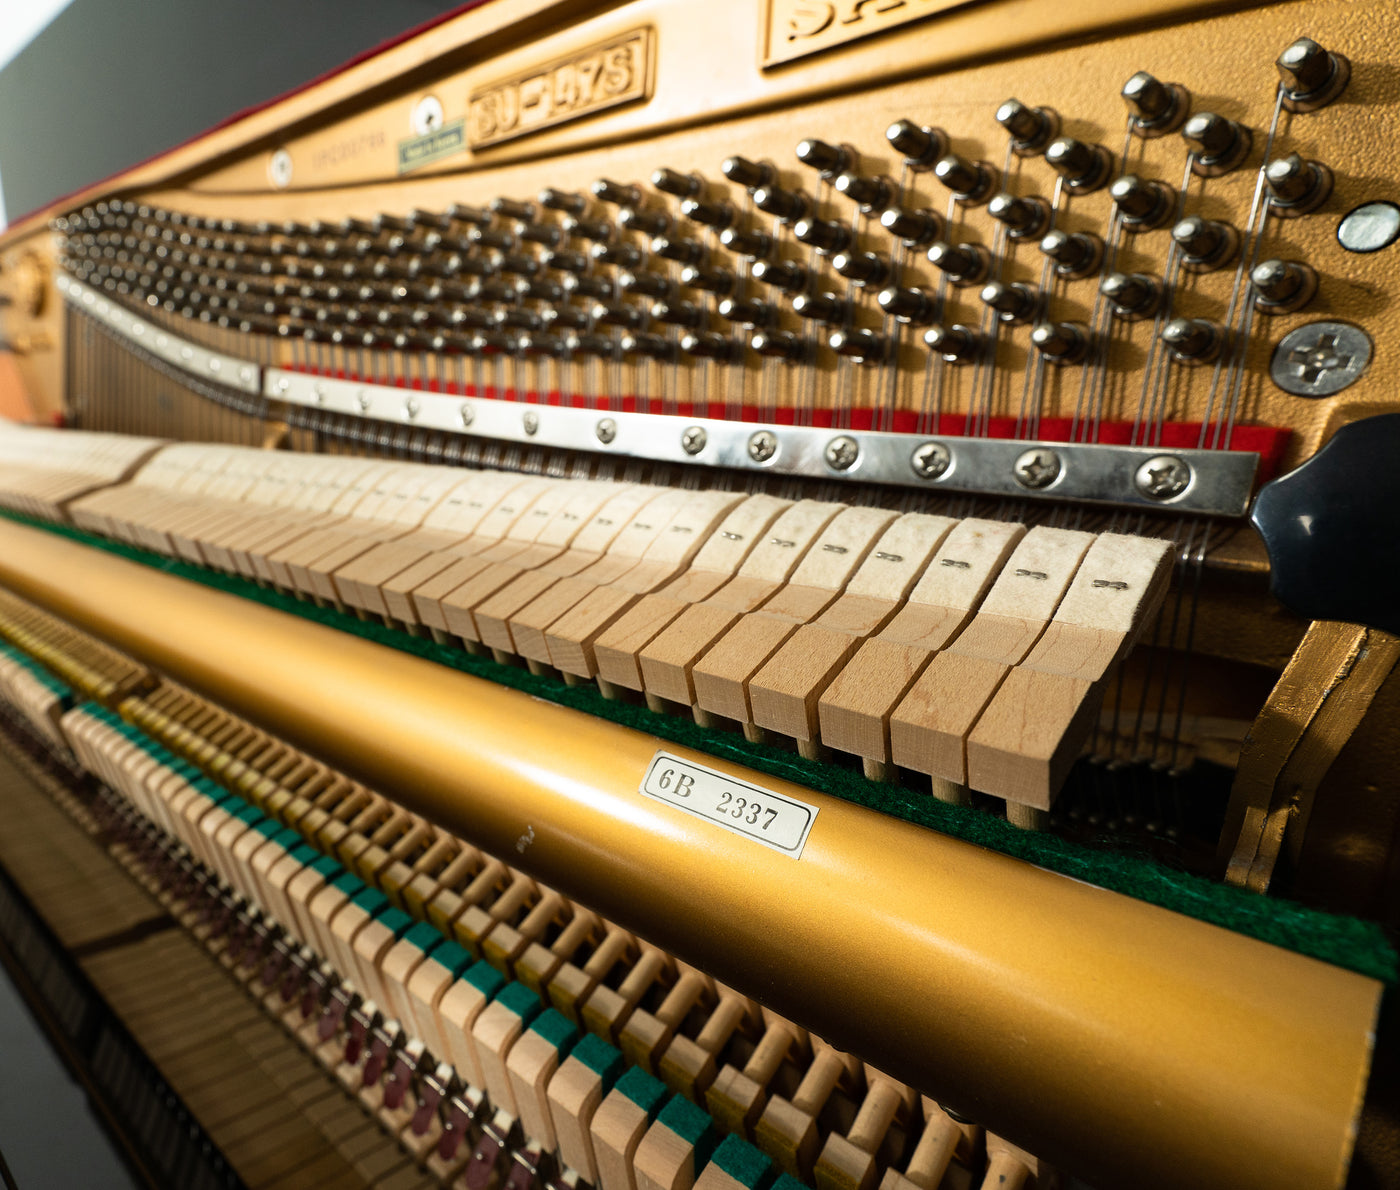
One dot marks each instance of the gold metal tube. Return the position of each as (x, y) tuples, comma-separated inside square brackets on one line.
[(1128, 1044)]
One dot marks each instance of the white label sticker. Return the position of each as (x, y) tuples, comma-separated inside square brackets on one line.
[(779, 822)]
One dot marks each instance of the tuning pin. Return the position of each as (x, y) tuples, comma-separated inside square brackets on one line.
[(621, 314), (1084, 167), (1297, 186), (649, 346), (1193, 340), (787, 205), (717, 281), (617, 194), (910, 306), (756, 245), (1205, 244), (712, 214), (1157, 108), (564, 261), (822, 234), (542, 233), (970, 181), (652, 285), (563, 200), (871, 193), (1142, 203), (782, 345), (708, 345), (919, 146), (670, 181), (749, 174), (626, 256), (827, 160), (1023, 218), (1060, 342), (1217, 145), (861, 268), (962, 264), (784, 275), (863, 346), (1075, 255), (957, 344), (649, 223), (491, 238), (1014, 304), (1281, 286), (1312, 77), (915, 228), (509, 208), (1131, 295), (597, 230), (1031, 128), (820, 307), (685, 314), (587, 287), (601, 346), (682, 250)]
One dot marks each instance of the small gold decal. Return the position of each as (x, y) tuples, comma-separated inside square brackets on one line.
[(592, 80), (796, 28)]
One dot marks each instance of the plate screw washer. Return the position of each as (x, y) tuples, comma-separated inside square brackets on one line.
[(842, 453), (930, 460), (427, 115), (606, 430), (693, 439), (1162, 477), (467, 414), (363, 398), (1038, 467), (531, 422), (410, 408), (279, 169), (763, 445), (1320, 359)]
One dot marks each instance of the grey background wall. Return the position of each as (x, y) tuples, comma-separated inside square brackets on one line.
[(111, 82)]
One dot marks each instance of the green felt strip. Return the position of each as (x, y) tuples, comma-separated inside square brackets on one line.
[(556, 1029), (485, 978), (1348, 942), (692, 1124), (520, 1000), (425, 937), (604, 1060), (744, 1163), (646, 1092)]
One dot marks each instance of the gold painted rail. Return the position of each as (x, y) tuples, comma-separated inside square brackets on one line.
[(1130, 1044)]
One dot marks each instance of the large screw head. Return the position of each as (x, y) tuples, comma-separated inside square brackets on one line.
[(531, 422), (1037, 468), (930, 460), (763, 445), (842, 453), (693, 439), (606, 429), (467, 414), (411, 407), (1162, 477)]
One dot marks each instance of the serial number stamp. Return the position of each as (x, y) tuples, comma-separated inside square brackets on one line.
[(592, 80), (782, 823)]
